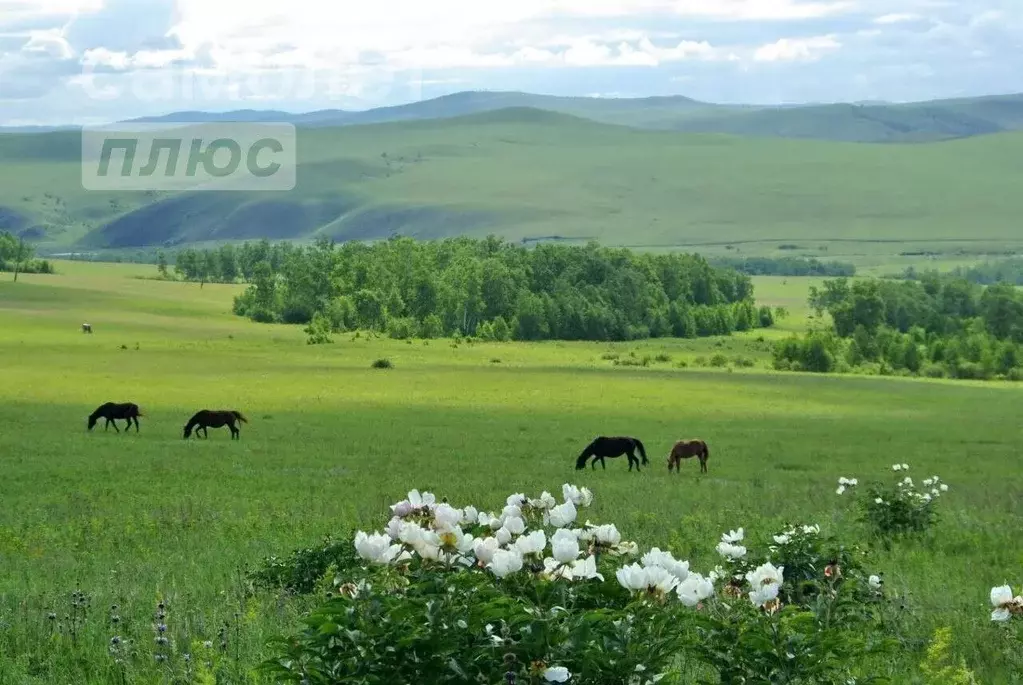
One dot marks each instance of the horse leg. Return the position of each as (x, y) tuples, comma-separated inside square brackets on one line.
[(235, 433)]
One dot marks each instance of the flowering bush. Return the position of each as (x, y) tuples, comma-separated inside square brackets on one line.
[(899, 508), (450, 595)]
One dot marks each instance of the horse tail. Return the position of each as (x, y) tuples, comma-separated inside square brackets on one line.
[(238, 415), (642, 450), (706, 451)]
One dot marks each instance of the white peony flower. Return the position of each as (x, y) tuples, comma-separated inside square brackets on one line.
[(840, 490), (586, 569), (607, 534), (503, 536), (765, 580), (485, 548), (632, 577), (511, 511), (763, 594), (564, 546), (731, 551), (581, 497), (418, 500), (556, 674), (515, 525), (782, 539), (562, 515), (694, 589), (733, 536), (896, 467), (659, 580), (516, 500), (656, 557), (469, 515), (878, 500), (376, 548), (534, 543), (1001, 598), (815, 529), (446, 517), (505, 562), (546, 502), (943, 487), (875, 582), (905, 467), (394, 527)]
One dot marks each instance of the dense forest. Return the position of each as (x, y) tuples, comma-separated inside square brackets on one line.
[(938, 326), (1002, 271), (785, 266), (482, 288), (17, 255)]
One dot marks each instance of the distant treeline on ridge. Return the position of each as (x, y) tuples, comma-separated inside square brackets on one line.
[(484, 288)]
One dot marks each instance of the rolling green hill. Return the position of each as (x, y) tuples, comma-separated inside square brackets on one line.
[(871, 123), (530, 174)]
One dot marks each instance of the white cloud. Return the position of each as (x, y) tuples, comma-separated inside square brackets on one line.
[(897, 18), (796, 49)]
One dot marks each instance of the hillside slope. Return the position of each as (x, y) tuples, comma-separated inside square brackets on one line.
[(871, 123), (529, 174)]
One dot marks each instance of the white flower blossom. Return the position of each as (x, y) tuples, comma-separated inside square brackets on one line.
[(875, 582), (511, 511), (516, 500), (545, 502), (655, 557), (485, 548), (505, 562), (878, 500), (564, 546), (421, 500), (896, 467), (1001, 599), (562, 515), (815, 529), (534, 543), (943, 487), (733, 536), (632, 577), (469, 515), (581, 497), (731, 551), (515, 525), (376, 548), (840, 490), (446, 517), (586, 569), (556, 674), (783, 539), (694, 589), (503, 536), (765, 581)]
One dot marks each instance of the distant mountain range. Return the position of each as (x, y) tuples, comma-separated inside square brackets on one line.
[(874, 122)]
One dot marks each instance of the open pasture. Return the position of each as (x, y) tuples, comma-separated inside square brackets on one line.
[(134, 519)]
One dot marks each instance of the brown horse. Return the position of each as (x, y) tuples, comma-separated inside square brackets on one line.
[(207, 418), (685, 449)]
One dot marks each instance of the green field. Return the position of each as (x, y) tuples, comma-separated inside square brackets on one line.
[(527, 174), (135, 519)]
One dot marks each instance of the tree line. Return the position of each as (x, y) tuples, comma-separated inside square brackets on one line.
[(489, 289), (1001, 271), (785, 266), (939, 326), (18, 256)]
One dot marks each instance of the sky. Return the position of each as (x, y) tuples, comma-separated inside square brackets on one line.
[(93, 61)]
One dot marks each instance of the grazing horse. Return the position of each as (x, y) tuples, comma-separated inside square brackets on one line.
[(604, 447), (86, 328), (686, 449), (129, 411), (207, 418)]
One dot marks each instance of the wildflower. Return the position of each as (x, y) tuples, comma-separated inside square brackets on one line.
[(655, 557), (556, 674), (733, 536), (505, 562), (446, 517), (927, 482), (926, 497), (469, 515), (485, 548), (376, 548), (1004, 603), (875, 582), (545, 502), (586, 569), (782, 539), (632, 577), (694, 589), (896, 467), (878, 500), (562, 515), (943, 487), (578, 496), (731, 551), (765, 580), (849, 482), (564, 546), (515, 525), (815, 529), (905, 467), (935, 493), (533, 543), (840, 490)]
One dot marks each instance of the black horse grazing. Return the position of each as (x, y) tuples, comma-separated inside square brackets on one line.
[(207, 418), (604, 447), (128, 411)]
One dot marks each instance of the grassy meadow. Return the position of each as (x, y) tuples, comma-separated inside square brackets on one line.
[(135, 519)]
